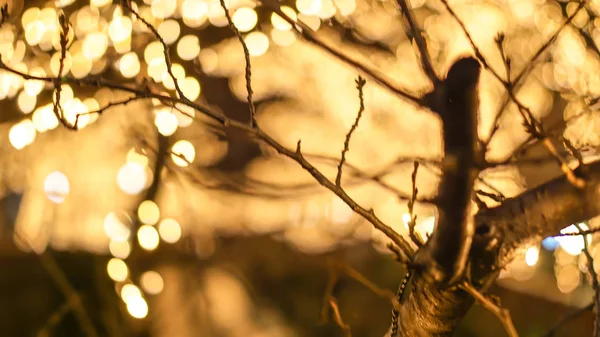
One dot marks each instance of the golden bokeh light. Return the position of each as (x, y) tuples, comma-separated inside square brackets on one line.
[(169, 31), (117, 270), (257, 43), (129, 65), (188, 47), (183, 153), (130, 291), (148, 237), (165, 122), (280, 23), (119, 249), (152, 282), (22, 134), (169, 230), (137, 307), (116, 226), (245, 19), (56, 186), (148, 212), (132, 178)]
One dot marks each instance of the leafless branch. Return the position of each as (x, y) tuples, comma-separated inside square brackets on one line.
[(502, 314), (593, 281), (360, 83), (415, 237), (338, 317), (420, 41), (248, 68), (309, 35)]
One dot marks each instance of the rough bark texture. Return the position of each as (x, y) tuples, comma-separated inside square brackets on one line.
[(536, 213)]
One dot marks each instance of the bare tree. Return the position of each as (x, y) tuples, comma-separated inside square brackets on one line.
[(479, 227)]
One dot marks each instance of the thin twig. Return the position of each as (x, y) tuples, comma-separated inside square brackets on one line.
[(412, 222), (338, 317), (310, 36), (502, 314), (360, 83), (420, 41), (248, 69), (594, 282)]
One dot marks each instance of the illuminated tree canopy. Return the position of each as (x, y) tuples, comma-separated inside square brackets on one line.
[(459, 137)]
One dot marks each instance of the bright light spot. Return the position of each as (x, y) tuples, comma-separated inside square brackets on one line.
[(283, 38), (279, 22), (100, 3), (120, 28), (34, 87), (245, 19), (162, 9), (178, 73), (190, 88), (75, 112), (183, 153), (573, 244), (26, 102), (55, 63), (117, 270), (34, 32), (309, 7), (257, 43), (185, 114), (346, 7), (327, 10), (148, 237), (532, 255), (119, 249), (550, 243), (170, 230), (81, 66), (169, 31), (152, 282), (129, 65), (94, 45), (153, 51), (194, 12), (22, 134), (116, 226), (132, 178), (209, 60), (568, 278), (138, 158), (137, 307), (406, 220), (188, 47), (44, 118), (148, 212), (56, 187), (30, 15), (130, 291), (165, 122)]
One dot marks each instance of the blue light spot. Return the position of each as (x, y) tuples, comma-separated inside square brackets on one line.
[(550, 243)]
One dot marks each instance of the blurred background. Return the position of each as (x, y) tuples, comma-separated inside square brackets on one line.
[(154, 221)]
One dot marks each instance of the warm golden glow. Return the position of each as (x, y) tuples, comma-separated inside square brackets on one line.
[(279, 22), (188, 47), (148, 212), (245, 19), (132, 178), (116, 226), (119, 249), (148, 237), (117, 270), (257, 43), (22, 134), (56, 186), (183, 153), (152, 282), (169, 230)]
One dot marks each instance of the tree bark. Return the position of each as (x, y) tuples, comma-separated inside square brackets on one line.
[(536, 213)]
